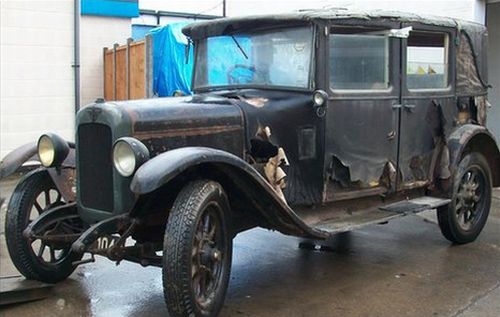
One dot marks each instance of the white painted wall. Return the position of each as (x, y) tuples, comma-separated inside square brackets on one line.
[(97, 32), (36, 54), (146, 19), (493, 23), (37, 80), (466, 9)]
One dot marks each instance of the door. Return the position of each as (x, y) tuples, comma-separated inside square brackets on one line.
[(362, 120), (427, 92)]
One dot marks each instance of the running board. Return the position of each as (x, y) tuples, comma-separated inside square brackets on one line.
[(362, 218), (416, 205)]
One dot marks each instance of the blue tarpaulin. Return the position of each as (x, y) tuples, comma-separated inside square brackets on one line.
[(223, 54), (171, 71)]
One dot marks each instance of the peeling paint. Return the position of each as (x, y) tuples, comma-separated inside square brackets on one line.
[(482, 104), (262, 149), (275, 174)]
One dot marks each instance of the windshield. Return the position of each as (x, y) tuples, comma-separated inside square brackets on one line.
[(271, 58)]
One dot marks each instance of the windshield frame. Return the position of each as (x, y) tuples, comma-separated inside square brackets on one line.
[(312, 62)]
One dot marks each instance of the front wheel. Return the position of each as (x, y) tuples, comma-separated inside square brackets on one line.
[(197, 251), (36, 259), (464, 217)]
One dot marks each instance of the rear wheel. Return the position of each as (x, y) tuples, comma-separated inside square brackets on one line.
[(462, 220), (35, 259), (197, 251)]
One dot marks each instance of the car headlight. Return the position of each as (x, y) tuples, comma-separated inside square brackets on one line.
[(128, 155), (52, 150)]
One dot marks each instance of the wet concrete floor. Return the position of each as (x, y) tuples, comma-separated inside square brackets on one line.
[(404, 268)]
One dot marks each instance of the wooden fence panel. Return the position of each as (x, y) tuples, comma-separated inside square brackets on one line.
[(137, 74), (128, 71), (109, 74), (121, 73)]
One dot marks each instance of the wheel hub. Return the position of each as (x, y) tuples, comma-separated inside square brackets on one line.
[(468, 198), (207, 258), (209, 255), (469, 191)]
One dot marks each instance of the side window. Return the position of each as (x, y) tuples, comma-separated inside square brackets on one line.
[(359, 61), (427, 60)]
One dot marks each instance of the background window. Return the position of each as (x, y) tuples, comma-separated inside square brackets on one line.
[(427, 61), (359, 61)]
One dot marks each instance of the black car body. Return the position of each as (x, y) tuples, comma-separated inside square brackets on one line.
[(367, 117)]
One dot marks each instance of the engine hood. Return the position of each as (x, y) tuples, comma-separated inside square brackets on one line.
[(167, 123)]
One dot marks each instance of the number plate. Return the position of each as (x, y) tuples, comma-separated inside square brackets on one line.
[(104, 243)]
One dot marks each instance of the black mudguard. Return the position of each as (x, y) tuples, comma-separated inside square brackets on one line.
[(17, 158), (476, 138), (63, 177), (165, 167)]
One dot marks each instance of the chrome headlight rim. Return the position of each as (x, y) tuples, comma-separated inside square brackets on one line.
[(320, 98), (52, 150), (128, 155)]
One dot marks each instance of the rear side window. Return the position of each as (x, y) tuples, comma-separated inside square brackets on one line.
[(359, 61), (427, 60)]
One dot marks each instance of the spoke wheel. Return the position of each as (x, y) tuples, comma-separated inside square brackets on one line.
[(37, 259), (464, 218), (197, 251), (470, 198), (206, 262)]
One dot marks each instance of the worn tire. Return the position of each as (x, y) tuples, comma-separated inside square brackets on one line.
[(179, 246), (18, 212), (448, 217)]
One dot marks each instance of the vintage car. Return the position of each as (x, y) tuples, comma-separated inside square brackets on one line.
[(309, 123)]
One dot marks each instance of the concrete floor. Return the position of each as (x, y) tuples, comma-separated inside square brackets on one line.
[(404, 268)]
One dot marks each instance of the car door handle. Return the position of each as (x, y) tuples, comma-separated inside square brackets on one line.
[(391, 135), (409, 108), (406, 106)]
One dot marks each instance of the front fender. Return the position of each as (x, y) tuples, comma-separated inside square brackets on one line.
[(166, 166), (17, 158), (470, 137), (29, 152), (64, 177), (250, 184)]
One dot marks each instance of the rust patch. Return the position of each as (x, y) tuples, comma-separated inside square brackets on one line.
[(65, 181), (482, 106), (256, 102), (444, 164), (389, 176), (187, 131), (439, 168)]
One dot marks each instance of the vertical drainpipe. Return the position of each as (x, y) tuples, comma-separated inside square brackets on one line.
[(76, 62)]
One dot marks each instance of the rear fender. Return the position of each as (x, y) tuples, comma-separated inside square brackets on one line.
[(474, 138), (241, 179)]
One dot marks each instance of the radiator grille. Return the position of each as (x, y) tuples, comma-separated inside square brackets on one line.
[(95, 174)]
